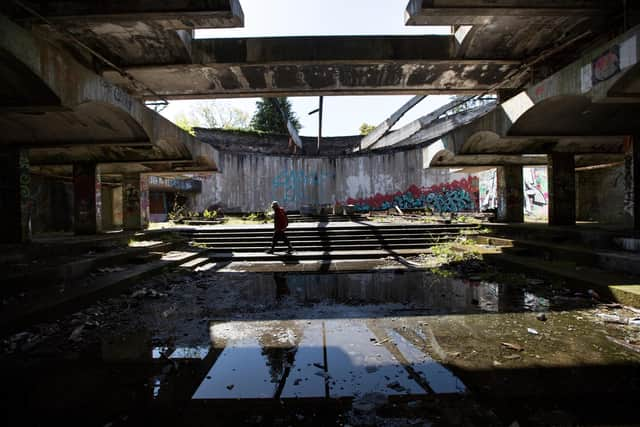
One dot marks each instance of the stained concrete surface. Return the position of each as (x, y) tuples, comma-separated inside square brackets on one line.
[(378, 348)]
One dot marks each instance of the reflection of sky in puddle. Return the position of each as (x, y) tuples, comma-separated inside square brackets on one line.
[(189, 353), (439, 378), (317, 358)]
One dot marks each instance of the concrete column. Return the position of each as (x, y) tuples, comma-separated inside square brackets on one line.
[(561, 174), (87, 198), (632, 182), (15, 196), (135, 202), (510, 194)]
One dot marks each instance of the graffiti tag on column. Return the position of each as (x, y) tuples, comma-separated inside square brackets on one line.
[(456, 196), (294, 184), (131, 198)]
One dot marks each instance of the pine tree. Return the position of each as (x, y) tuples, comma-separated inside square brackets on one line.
[(268, 118)]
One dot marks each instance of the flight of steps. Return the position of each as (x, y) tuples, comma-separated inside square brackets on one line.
[(583, 257), (295, 218), (325, 242)]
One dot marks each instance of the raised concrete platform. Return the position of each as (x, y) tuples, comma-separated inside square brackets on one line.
[(53, 301)]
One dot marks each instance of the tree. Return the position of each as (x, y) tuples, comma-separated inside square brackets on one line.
[(268, 118), (366, 128), (212, 115)]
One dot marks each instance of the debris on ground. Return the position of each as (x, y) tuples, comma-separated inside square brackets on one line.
[(144, 292), (542, 317), (532, 331), (76, 335), (511, 346), (612, 318), (625, 344)]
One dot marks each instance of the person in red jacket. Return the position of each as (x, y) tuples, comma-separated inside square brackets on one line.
[(280, 223)]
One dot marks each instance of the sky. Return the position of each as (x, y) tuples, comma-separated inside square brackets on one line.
[(343, 115)]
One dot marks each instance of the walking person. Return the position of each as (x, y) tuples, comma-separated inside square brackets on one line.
[(280, 224)]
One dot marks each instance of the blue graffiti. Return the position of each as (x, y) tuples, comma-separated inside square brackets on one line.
[(456, 200), (295, 184)]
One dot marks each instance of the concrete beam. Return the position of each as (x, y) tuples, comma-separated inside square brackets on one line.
[(568, 112), (450, 161), (485, 12), (384, 127), (170, 14), (425, 128), (91, 110), (316, 66)]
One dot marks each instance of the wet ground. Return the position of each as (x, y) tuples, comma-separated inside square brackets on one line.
[(465, 346)]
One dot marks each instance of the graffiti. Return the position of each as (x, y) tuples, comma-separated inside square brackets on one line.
[(131, 198), (118, 95), (25, 180), (456, 196), (606, 65), (629, 188), (488, 190), (294, 185), (185, 185), (536, 193)]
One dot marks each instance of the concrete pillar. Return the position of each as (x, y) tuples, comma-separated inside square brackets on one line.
[(562, 189), (510, 194), (107, 206), (87, 199), (135, 202), (632, 182), (15, 196)]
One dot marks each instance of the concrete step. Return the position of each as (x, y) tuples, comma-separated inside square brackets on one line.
[(312, 255), (333, 235), (39, 276), (621, 261), (50, 303), (323, 240), (609, 285), (323, 248), (315, 227), (582, 235)]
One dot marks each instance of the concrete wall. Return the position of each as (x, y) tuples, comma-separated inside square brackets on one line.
[(600, 195), (258, 142), (249, 182)]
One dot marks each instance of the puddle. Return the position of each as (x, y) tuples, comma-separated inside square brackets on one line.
[(387, 347)]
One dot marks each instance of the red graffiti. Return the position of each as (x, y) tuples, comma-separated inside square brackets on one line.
[(469, 184)]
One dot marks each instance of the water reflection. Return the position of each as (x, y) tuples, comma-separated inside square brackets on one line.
[(416, 290), (317, 358)]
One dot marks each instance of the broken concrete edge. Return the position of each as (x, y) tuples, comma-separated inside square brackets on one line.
[(79, 298)]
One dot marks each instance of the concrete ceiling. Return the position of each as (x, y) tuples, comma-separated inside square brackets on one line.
[(153, 42)]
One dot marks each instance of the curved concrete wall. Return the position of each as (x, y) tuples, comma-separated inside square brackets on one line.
[(248, 182)]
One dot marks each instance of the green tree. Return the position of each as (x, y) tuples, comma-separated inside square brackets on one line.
[(366, 128), (268, 118), (211, 115)]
